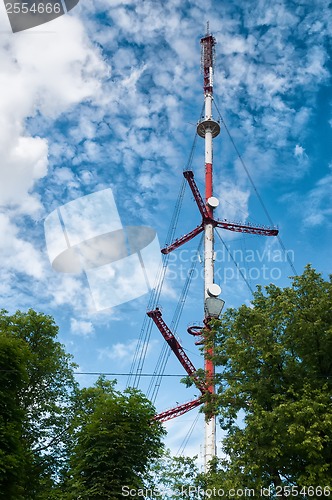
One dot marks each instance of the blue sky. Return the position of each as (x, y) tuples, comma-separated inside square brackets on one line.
[(108, 97)]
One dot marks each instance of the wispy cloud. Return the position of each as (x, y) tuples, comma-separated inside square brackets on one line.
[(16, 253), (123, 353), (315, 203), (81, 327), (318, 207), (110, 101)]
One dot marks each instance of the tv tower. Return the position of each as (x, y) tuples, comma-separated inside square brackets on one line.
[(208, 129)]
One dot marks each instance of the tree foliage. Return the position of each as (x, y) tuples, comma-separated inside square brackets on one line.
[(173, 477), (13, 377), (38, 388), (58, 442), (274, 392), (115, 444), (275, 386)]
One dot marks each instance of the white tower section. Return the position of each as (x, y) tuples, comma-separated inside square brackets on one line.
[(208, 129)]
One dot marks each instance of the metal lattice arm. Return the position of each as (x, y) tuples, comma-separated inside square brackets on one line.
[(247, 228), (176, 347), (189, 176), (180, 241), (177, 411)]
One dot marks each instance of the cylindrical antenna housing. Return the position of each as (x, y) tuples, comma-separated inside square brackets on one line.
[(207, 61)]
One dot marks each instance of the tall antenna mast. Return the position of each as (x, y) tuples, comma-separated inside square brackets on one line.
[(209, 129)]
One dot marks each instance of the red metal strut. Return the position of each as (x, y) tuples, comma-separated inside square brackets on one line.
[(180, 241), (176, 348), (189, 176), (246, 228), (156, 314), (230, 226), (185, 362), (177, 411)]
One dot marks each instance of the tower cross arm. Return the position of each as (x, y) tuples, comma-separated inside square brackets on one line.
[(246, 228), (177, 410), (176, 347), (180, 241), (189, 176)]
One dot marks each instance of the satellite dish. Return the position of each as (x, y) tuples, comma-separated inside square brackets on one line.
[(213, 202), (214, 290)]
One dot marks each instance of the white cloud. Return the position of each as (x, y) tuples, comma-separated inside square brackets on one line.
[(316, 206), (124, 352), (67, 289), (46, 73), (43, 74), (16, 253), (81, 327), (233, 202), (24, 161), (299, 151)]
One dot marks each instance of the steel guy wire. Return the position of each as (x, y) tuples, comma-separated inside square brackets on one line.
[(260, 199)]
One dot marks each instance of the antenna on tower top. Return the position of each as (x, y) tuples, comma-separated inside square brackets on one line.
[(207, 59)]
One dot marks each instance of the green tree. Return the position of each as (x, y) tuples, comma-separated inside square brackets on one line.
[(275, 386), (116, 440), (13, 377), (174, 478), (41, 386)]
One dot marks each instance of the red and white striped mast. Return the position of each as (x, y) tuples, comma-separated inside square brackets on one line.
[(209, 129)]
